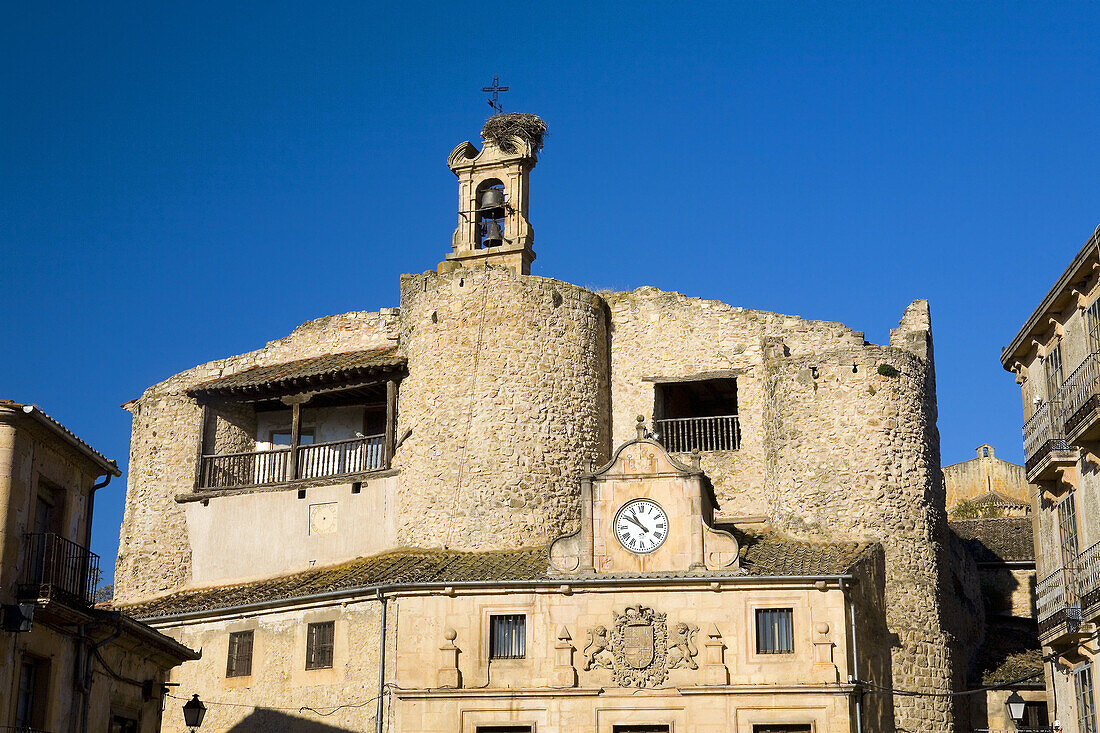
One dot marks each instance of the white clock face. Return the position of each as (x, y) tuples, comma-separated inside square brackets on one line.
[(641, 526)]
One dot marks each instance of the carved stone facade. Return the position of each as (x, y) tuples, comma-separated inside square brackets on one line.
[(517, 427)]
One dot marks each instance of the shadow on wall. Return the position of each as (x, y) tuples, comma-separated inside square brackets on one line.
[(274, 721)]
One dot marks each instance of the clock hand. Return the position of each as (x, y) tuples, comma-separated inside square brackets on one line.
[(634, 519)]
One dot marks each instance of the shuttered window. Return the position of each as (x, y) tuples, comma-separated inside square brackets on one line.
[(319, 645), (507, 636), (239, 663), (774, 631)]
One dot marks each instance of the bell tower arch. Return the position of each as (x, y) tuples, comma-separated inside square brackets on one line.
[(493, 228)]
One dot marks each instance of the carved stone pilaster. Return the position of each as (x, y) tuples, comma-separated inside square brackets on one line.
[(714, 666), (823, 652), (563, 674), (448, 674)]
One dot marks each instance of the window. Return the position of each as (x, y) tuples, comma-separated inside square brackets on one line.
[(1092, 325), (504, 729), (123, 724), (640, 729), (30, 701), (282, 438), (1086, 703), (1067, 530), (781, 728), (319, 645), (239, 663), (774, 631), (507, 638), (697, 415), (1052, 366)]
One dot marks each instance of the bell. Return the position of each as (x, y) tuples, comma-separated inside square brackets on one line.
[(493, 235), (492, 203)]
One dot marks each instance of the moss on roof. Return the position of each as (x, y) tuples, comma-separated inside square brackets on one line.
[(765, 556)]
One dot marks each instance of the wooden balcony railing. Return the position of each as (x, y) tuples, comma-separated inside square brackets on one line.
[(334, 458), (686, 434), (56, 569), (1080, 391)]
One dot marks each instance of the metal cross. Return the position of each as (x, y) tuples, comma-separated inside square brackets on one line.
[(495, 89)]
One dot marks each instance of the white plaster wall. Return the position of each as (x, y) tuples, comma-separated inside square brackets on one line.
[(326, 423), (265, 534)]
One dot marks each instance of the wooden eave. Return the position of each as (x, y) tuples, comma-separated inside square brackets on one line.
[(1066, 295)]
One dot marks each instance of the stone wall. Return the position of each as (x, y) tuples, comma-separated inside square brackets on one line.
[(982, 474), (658, 334), (154, 556), (505, 398)]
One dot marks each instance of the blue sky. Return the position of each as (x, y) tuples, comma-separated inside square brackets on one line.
[(181, 183)]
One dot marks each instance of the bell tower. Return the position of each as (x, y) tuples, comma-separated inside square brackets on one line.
[(492, 195)]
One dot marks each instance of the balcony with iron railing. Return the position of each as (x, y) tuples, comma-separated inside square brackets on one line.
[(1080, 397), (687, 434), (1045, 446), (1069, 596), (319, 460), (55, 569)]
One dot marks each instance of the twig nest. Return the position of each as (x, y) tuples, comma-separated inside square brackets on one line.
[(504, 130)]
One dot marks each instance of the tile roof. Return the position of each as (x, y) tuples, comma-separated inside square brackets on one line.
[(36, 412), (768, 556), (1007, 539), (996, 498), (1009, 651), (301, 373)]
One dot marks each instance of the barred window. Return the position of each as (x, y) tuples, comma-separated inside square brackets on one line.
[(239, 663), (507, 636), (319, 645), (774, 631), (1086, 703)]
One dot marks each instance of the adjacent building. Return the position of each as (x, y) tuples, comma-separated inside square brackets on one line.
[(1056, 360), (66, 665), (516, 504)]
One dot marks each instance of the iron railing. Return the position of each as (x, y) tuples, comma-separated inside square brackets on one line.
[(1043, 432), (56, 569), (1088, 576), (334, 458), (686, 434), (1050, 594), (1079, 388)]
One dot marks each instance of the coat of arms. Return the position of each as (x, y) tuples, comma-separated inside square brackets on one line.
[(639, 642)]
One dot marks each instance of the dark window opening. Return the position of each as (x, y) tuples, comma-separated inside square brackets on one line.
[(504, 729), (782, 728), (640, 729), (31, 694), (507, 636), (319, 642), (123, 724), (774, 631), (697, 415), (239, 663), (1035, 715)]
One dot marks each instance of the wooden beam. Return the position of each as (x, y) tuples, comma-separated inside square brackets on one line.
[(391, 421)]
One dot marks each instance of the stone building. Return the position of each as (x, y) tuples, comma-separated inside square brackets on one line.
[(512, 503), (987, 486), (67, 666), (1054, 357)]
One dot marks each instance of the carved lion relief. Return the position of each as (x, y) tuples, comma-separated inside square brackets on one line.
[(638, 649)]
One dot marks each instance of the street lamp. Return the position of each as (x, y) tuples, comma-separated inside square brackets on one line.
[(1015, 705), (193, 713)]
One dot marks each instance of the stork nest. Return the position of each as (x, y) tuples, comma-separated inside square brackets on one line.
[(504, 130)]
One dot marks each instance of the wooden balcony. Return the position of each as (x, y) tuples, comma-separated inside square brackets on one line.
[(55, 569), (1080, 397), (281, 465), (1045, 447), (687, 434)]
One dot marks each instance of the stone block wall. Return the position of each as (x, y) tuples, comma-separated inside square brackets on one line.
[(506, 398), (154, 555)]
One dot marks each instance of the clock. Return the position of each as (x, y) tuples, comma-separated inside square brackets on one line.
[(641, 526)]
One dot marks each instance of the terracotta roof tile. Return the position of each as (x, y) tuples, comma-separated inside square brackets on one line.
[(770, 556), (1007, 539), (303, 372)]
